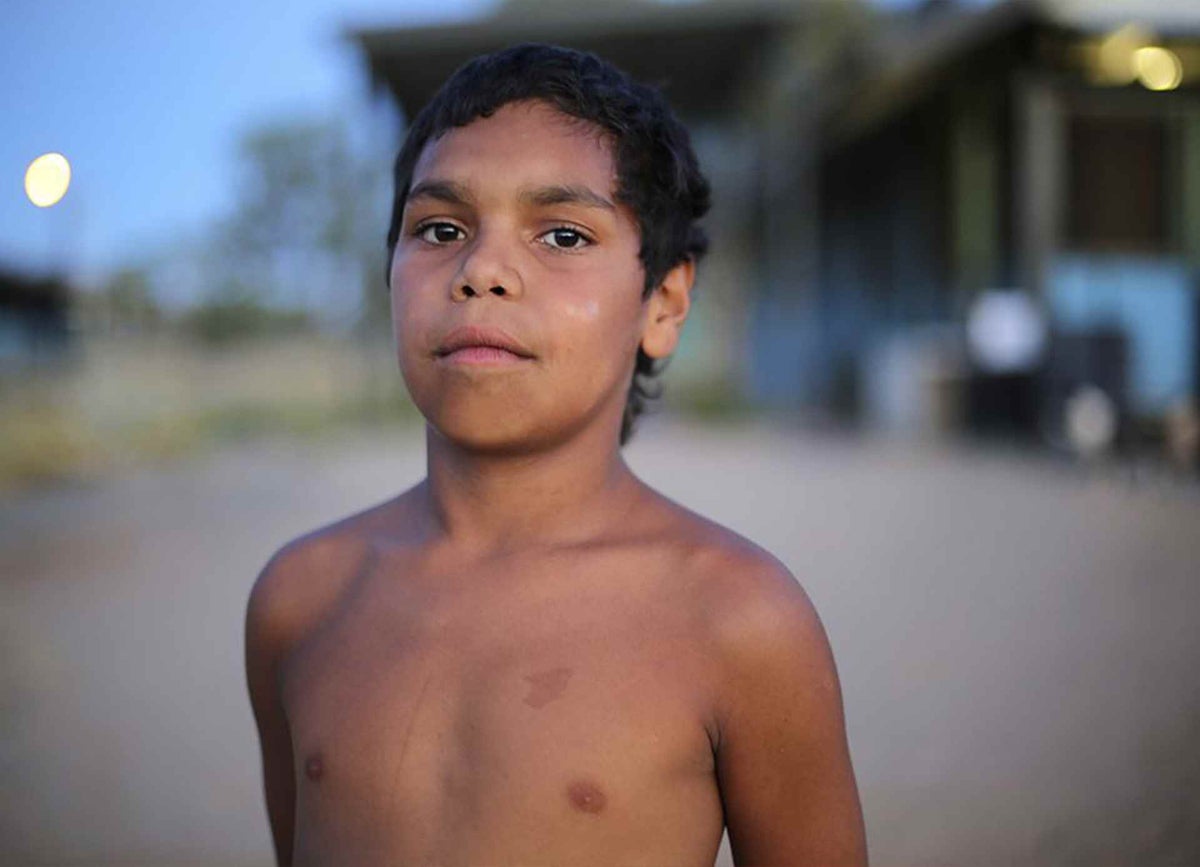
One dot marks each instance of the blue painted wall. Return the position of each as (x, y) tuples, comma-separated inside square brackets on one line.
[(1152, 300)]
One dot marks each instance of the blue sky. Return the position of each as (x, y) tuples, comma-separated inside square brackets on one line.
[(147, 98)]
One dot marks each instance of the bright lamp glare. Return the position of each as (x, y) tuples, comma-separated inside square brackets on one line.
[(1158, 68), (47, 179), (1116, 64)]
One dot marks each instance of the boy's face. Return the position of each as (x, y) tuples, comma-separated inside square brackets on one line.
[(512, 227)]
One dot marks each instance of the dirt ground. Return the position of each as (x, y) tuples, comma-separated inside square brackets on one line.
[(1017, 640)]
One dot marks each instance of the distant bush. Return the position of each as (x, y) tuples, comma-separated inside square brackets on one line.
[(718, 401), (223, 321)]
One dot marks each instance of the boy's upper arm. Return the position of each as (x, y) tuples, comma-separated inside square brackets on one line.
[(783, 765), (271, 628)]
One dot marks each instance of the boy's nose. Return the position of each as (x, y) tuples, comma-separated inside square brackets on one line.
[(487, 270)]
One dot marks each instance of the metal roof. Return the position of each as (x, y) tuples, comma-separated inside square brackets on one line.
[(908, 58), (1165, 17), (909, 61), (699, 53)]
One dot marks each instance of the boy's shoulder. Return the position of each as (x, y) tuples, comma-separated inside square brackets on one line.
[(765, 646), (746, 600), (305, 576), (749, 600)]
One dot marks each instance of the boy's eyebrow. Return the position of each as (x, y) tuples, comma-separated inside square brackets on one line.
[(570, 194), (443, 191)]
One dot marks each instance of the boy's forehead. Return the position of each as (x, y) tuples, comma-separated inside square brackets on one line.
[(528, 135)]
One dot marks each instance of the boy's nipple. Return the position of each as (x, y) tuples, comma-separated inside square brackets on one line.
[(586, 797)]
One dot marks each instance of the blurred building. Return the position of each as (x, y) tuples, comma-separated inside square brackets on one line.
[(877, 175), (1049, 148), (34, 320)]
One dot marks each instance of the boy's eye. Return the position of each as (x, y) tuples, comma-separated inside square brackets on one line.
[(564, 238), (439, 233)]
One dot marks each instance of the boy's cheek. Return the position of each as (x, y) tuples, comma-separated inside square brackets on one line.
[(584, 312), (411, 274), (411, 331), (396, 267)]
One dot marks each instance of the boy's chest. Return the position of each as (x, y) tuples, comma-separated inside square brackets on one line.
[(432, 711)]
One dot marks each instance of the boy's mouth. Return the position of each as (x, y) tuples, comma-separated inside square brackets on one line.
[(475, 344)]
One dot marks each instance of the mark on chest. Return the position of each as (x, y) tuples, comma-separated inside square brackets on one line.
[(546, 686), (314, 767), (586, 797)]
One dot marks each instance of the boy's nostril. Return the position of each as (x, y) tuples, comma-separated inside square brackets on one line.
[(498, 290)]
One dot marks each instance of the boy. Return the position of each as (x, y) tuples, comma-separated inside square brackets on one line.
[(530, 657)]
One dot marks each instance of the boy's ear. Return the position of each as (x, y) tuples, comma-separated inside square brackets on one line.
[(667, 309)]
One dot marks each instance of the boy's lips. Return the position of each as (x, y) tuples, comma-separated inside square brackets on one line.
[(476, 344)]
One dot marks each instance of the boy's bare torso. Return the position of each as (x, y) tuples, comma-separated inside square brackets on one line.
[(531, 658), (545, 706)]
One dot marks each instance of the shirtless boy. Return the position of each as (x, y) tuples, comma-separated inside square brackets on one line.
[(530, 657)]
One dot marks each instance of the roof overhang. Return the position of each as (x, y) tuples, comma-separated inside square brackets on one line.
[(917, 60), (701, 54), (1167, 18), (910, 62)]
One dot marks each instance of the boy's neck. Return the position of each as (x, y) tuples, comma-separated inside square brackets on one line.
[(488, 502)]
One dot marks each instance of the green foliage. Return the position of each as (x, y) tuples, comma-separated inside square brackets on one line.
[(143, 401), (222, 321), (306, 230), (709, 402), (130, 301)]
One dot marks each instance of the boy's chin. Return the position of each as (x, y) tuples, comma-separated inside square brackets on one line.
[(486, 441), (511, 430)]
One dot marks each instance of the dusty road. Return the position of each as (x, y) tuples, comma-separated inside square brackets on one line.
[(1018, 642)]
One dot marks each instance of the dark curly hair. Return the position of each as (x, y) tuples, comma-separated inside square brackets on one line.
[(658, 175)]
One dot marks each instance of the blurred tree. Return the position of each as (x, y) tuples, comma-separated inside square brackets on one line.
[(306, 228), (224, 320), (125, 304)]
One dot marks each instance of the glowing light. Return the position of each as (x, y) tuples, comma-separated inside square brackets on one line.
[(47, 179), (1158, 68), (1006, 333)]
